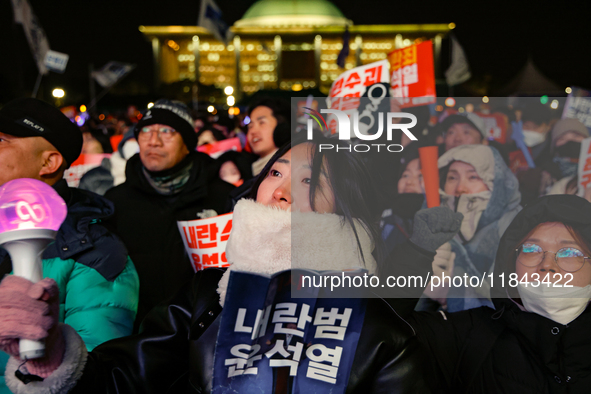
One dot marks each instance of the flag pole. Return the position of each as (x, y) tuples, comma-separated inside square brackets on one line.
[(37, 84)]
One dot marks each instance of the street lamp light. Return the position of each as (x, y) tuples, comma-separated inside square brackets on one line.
[(58, 93), (228, 90), (230, 101)]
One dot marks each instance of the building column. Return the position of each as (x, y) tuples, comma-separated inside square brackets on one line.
[(317, 57), (277, 43), (358, 50), (156, 52), (195, 89), (437, 55), (237, 88)]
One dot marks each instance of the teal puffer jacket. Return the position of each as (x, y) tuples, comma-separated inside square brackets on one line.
[(98, 283)]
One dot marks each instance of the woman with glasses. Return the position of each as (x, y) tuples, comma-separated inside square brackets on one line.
[(537, 338)]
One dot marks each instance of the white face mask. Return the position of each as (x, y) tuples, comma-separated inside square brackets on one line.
[(533, 138), (559, 304)]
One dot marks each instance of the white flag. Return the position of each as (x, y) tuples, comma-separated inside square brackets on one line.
[(459, 70), (210, 17), (56, 61), (111, 73), (35, 34), (17, 7)]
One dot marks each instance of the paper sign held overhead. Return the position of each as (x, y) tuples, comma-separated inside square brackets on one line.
[(205, 241), (412, 74)]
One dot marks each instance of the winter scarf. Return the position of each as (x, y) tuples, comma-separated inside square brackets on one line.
[(267, 240)]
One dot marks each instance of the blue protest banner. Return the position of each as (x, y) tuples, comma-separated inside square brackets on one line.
[(269, 342)]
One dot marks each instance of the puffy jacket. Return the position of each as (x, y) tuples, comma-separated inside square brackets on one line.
[(98, 283), (147, 223), (510, 350), (476, 256)]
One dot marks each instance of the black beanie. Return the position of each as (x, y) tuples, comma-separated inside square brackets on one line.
[(173, 114)]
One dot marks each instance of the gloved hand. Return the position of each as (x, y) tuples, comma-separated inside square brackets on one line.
[(31, 311), (435, 226), (443, 264)]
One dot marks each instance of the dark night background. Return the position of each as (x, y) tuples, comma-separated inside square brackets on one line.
[(497, 37)]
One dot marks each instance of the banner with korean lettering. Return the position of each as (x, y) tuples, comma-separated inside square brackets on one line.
[(412, 74), (269, 342), (205, 241), (578, 106), (347, 89), (584, 180)]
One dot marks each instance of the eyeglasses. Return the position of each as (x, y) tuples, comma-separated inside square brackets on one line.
[(164, 133), (568, 259)]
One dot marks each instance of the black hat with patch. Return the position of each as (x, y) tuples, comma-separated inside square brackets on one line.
[(29, 117)]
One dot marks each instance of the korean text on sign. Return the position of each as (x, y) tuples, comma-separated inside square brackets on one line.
[(349, 87), (265, 334), (205, 240), (412, 74)]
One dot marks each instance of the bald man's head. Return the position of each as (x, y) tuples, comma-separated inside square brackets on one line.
[(29, 157)]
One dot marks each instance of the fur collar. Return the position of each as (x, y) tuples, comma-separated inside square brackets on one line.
[(267, 240)]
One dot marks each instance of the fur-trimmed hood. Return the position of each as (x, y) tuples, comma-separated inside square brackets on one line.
[(268, 240)]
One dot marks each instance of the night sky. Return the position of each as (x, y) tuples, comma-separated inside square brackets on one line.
[(497, 37)]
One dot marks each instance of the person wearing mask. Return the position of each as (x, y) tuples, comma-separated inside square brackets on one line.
[(535, 340), (297, 190), (476, 182), (166, 181), (567, 135)]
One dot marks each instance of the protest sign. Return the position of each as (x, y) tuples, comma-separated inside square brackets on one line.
[(205, 240), (496, 125), (217, 149), (578, 106), (347, 89), (584, 166), (268, 339), (412, 75), (82, 165)]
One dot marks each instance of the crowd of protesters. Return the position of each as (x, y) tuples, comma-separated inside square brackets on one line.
[(119, 267)]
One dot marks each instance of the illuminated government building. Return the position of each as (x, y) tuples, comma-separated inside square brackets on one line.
[(279, 44)]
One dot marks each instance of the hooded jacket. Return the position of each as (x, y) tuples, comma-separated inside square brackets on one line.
[(147, 223), (476, 257), (511, 350), (174, 352)]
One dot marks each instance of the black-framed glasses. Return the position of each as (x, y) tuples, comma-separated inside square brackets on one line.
[(569, 259), (164, 133)]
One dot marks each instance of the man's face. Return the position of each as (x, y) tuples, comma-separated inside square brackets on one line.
[(260, 131), (461, 134), (161, 148), (20, 157)]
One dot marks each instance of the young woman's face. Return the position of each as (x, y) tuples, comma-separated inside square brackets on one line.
[(287, 186), (462, 178), (411, 180), (551, 237)]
